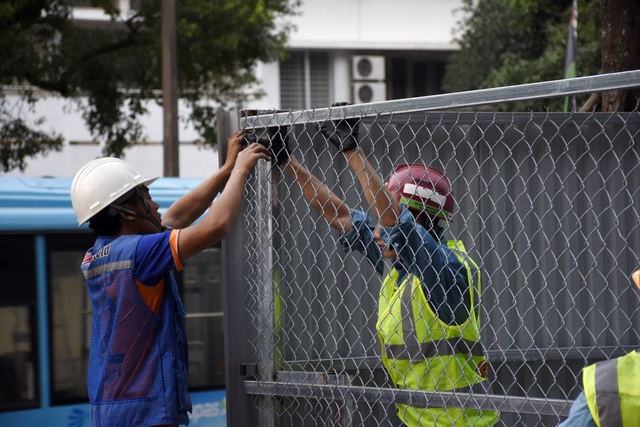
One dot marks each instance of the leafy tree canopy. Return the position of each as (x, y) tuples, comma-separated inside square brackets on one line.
[(511, 42), (116, 65)]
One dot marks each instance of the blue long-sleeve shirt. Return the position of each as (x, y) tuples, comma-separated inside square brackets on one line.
[(579, 414), (442, 274)]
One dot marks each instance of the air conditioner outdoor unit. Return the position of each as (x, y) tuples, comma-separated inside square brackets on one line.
[(370, 68), (364, 92)]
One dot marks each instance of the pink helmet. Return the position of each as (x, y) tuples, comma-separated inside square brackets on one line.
[(422, 189)]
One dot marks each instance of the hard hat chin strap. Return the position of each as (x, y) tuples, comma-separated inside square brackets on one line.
[(431, 224), (148, 216)]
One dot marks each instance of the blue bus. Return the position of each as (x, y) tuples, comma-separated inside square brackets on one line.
[(45, 313)]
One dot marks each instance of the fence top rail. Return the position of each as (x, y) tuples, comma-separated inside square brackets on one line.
[(529, 91), (484, 118)]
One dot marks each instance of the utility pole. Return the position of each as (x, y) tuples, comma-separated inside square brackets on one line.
[(170, 89)]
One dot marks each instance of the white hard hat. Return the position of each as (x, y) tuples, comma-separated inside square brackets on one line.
[(101, 182)]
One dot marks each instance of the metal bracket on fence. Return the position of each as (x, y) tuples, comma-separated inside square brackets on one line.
[(341, 408)]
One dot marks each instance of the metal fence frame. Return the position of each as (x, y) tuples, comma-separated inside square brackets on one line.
[(256, 383)]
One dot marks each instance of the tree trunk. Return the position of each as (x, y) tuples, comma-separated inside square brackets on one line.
[(620, 49)]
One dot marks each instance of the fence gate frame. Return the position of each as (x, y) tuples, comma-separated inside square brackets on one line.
[(252, 384)]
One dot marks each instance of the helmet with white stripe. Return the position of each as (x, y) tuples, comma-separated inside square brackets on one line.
[(422, 189)]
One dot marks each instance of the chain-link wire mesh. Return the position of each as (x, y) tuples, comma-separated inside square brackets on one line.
[(546, 205)]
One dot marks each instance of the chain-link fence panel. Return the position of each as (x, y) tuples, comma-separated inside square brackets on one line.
[(546, 206)]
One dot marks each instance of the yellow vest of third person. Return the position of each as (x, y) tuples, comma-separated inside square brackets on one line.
[(421, 352), (612, 389)]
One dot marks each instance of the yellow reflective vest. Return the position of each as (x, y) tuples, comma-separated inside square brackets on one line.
[(420, 352), (612, 390)]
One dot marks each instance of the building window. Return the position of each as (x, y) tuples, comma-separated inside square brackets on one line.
[(415, 77), (90, 3), (305, 81)]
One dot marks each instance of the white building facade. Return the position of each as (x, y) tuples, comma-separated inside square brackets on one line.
[(341, 50)]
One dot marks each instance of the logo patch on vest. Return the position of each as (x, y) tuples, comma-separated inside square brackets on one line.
[(101, 253)]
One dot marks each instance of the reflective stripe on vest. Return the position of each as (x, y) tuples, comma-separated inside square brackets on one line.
[(608, 403), (444, 347), (101, 269)]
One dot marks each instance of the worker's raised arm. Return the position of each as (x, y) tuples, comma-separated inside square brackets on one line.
[(225, 209), (318, 195), (184, 211), (385, 206), (332, 208), (344, 135)]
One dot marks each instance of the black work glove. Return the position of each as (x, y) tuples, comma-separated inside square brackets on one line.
[(278, 144), (343, 133)]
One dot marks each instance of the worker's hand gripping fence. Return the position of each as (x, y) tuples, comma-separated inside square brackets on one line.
[(546, 205)]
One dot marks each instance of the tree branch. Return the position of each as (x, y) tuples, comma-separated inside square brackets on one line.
[(593, 101), (132, 39)]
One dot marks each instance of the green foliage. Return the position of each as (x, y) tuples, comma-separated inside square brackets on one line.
[(511, 42), (117, 64), (19, 142)]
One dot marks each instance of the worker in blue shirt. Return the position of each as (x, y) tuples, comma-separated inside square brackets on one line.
[(137, 375), (439, 347)]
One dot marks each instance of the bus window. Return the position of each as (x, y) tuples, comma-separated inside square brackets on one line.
[(200, 282), (70, 317), (18, 307)]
